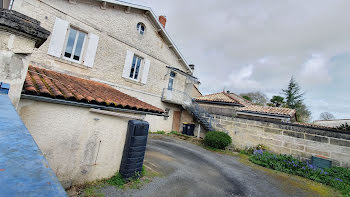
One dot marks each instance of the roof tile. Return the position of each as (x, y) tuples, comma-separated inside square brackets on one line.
[(247, 105), (268, 110), (224, 98), (57, 85)]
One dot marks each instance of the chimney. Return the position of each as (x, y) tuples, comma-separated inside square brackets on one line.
[(191, 66), (162, 20)]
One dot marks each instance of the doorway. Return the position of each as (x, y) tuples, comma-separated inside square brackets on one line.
[(176, 121)]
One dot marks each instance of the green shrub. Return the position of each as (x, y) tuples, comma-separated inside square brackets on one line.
[(336, 177), (217, 139)]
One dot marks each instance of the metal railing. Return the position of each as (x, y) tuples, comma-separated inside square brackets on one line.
[(190, 104)]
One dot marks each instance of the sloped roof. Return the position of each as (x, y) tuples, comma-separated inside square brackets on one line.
[(223, 97), (47, 83), (246, 106), (268, 110)]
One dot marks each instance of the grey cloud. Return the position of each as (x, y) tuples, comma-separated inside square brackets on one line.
[(228, 38)]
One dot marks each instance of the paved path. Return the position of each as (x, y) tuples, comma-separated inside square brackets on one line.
[(190, 170)]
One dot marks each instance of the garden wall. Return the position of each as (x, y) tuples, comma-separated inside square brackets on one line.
[(288, 138)]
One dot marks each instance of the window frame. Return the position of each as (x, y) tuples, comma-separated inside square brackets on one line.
[(139, 75), (139, 30), (171, 78), (82, 53)]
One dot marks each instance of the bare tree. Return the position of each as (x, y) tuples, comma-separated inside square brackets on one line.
[(326, 116), (257, 98)]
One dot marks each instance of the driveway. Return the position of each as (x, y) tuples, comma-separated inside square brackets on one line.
[(190, 170)]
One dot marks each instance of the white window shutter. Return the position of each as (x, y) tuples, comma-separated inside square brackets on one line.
[(58, 37), (145, 71), (91, 48), (128, 62)]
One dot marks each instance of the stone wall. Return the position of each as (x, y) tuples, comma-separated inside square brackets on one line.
[(287, 138)]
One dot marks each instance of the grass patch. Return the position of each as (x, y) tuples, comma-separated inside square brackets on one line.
[(92, 189), (158, 132), (336, 177), (91, 192)]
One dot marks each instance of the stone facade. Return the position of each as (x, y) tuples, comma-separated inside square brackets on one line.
[(116, 29), (288, 138)]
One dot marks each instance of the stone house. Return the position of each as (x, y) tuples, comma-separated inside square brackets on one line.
[(104, 63), (230, 104), (120, 44)]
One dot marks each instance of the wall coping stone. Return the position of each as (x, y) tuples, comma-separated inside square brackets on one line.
[(18, 23), (329, 132)]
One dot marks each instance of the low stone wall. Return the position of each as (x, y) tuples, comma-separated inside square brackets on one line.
[(288, 138)]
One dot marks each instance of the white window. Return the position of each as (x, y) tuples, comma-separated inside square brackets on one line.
[(171, 80), (71, 44), (135, 67), (74, 45), (140, 28)]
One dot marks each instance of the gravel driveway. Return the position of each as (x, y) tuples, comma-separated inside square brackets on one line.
[(190, 170)]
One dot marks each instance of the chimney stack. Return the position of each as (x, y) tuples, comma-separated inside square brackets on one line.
[(162, 20)]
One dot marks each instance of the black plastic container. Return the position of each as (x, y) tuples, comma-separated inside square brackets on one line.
[(134, 148), (190, 129), (184, 128)]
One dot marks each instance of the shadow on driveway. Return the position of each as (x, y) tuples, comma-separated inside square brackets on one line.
[(190, 170)]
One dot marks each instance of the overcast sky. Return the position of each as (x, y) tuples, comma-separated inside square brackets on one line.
[(246, 46)]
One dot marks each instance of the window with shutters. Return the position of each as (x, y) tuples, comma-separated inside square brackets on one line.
[(135, 67), (74, 45)]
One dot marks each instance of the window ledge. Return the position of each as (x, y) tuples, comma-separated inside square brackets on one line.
[(133, 81), (79, 65)]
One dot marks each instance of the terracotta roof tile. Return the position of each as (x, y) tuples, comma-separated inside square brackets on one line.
[(224, 98), (247, 105), (47, 83), (268, 110)]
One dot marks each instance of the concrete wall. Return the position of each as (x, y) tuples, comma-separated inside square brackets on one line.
[(287, 138), (25, 171), (14, 62), (117, 34), (79, 145), (225, 110)]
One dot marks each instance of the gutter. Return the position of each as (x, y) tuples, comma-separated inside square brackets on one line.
[(87, 105), (182, 72)]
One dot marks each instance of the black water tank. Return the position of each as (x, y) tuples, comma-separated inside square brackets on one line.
[(134, 149)]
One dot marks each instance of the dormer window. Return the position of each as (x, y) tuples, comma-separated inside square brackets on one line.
[(140, 28)]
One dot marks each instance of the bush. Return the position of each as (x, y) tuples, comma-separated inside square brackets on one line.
[(336, 177), (217, 139)]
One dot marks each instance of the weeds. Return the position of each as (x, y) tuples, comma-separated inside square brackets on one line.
[(336, 177), (158, 132)]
